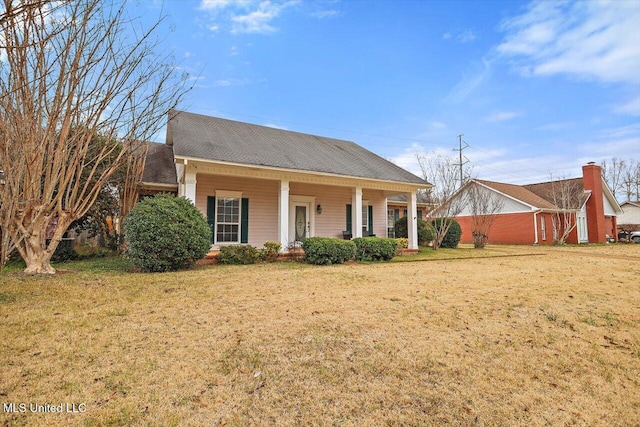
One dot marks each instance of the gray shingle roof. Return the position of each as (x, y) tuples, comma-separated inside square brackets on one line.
[(210, 138), (159, 167)]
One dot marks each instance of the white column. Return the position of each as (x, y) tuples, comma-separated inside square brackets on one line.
[(190, 183), (356, 212), (412, 220), (283, 215)]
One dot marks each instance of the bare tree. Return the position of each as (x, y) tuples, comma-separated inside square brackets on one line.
[(568, 196), (484, 206), (67, 74), (443, 172), (613, 172), (631, 180)]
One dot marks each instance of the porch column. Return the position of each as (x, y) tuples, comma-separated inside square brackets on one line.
[(283, 215), (356, 212), (190, 183), (412, 220)]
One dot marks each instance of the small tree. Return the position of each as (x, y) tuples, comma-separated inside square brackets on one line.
[(484, 206), (452, 236), (442, 172), (568, 196), (166, 233)]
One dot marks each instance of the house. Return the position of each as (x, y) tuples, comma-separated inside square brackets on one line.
[(397, 208), (534, 213), (629, 219), (257, 183)]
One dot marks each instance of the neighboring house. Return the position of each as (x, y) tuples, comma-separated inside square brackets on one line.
[(257, 184), (630, 216), (527, 216), (397, 208)]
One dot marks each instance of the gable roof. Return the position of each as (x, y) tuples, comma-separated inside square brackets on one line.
[(574, 186), (209, 138), (159, 167), (520, 193)]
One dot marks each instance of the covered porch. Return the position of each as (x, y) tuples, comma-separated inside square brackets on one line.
[(251, 204)]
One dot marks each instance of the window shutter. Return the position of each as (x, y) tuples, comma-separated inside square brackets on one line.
[(349, 218), (396, 215), (244, 221), (211, 216), (406, 212), (370, 213), (419, 214)]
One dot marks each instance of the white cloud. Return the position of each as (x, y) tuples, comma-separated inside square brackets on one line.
[(230, 82), (469, 83), (466, 36), (631, 107), (244, 16), (446, 36), (556, 126), (585, 39), (502, 116), (324, 14)]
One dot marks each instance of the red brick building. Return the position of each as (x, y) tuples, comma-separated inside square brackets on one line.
[(533, 213)]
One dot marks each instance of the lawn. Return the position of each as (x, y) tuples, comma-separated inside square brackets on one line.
[(521, 336)]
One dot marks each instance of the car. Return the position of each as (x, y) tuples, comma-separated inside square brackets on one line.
[(635, 236)]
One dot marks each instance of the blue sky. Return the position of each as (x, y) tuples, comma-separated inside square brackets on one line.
[(537, 88)]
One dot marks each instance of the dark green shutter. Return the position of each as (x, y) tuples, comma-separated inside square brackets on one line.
[(244, 221), (396, 215), (406, 212), (370, 213), (419, 214), (211, 215), (349, 218)]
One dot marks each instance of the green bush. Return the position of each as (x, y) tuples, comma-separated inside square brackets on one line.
[(426, 233), (238, 254), (270, 251), (166, 233), (375, 248), (327, 250), (64, 251), (452, 238)]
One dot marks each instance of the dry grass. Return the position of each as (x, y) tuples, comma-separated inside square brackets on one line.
[(544, 340)]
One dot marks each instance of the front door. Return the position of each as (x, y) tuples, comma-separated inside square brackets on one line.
[(299, 223)]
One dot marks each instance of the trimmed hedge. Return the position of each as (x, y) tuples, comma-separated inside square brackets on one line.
[(328, 250), (375, 248), (452, 238), (166, 233), (426, 233)]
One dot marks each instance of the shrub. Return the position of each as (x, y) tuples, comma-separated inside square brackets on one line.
[(375, 248), (270, 251), (426, 233), (239, 255), (166, 233), (64, 251), (452, 238), (327, 250)]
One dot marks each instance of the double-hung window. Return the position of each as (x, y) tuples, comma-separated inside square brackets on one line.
[(228, 216)]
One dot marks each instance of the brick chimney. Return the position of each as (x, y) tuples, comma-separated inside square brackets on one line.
[(592, 180)]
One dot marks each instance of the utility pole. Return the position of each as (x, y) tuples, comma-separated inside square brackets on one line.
[(461, 164)]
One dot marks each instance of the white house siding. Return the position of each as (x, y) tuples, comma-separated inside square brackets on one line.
[(263, 202), (630, 214), (609, 210), (510, 205)]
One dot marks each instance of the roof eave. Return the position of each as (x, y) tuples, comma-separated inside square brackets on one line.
[(181, 159)]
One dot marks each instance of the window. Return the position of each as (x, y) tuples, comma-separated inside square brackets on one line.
[(365, 218), (543, 228), (228, 220)]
